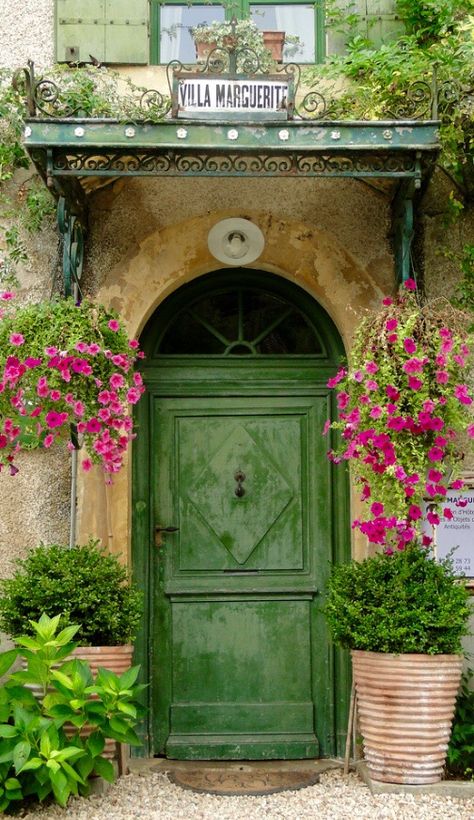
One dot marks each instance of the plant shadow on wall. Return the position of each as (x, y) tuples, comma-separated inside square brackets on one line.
[(404, 411)]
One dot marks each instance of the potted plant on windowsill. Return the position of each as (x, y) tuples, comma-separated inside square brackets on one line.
[(404, 407), (253, 45)]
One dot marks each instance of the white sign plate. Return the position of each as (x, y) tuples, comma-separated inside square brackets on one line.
[(457, 532), (223, 97)]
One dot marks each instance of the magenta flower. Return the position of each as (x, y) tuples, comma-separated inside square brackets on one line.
[(413, 365), (113, 325), (447, 513), (392, 392), (461, 392), (376, 412), (409, 345), (414, 383), (93, 349), (434, 475), (54, 419), (410, 284), (387, 301), (17, 339), (341, 373), (470, 430), (414, 512), (6, 295), (82, 347), (391, 324), (377, 509), (327, 425), (432, 518), (342, 399), (392, 338), (93, 426), (435, 454), (371, 368), (458, 484), (371, 385), (86, 464), (116, 381), (48, 440)]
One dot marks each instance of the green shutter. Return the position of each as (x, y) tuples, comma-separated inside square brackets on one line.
[(377, 21), (381, 21), (112, 31)]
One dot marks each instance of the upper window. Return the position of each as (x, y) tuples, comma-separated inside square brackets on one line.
[(172, 21)]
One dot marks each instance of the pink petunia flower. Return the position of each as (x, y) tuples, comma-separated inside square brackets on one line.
[(17, 339), (413, 365), (435, 454), (391, 324), (414, 512), (461, 392), (409, 345), (447, 513), (410, 284), (371, 368), (341, 373), (371, 384), (377, 509), (113, 325), (392, 338), (414, 383), (387, 301), (87, 464), (470, 430)]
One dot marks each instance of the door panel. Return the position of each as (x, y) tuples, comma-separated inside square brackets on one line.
[(237, 583)]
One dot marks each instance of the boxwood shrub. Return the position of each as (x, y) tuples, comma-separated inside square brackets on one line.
[(85, 585), (405, 602)]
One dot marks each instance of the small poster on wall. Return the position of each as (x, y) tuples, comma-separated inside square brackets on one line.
[(457, 532)]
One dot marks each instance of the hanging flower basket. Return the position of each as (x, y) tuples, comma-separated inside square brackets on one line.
[(66, 374)]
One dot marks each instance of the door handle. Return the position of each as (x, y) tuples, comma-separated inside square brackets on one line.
[(159, 531)]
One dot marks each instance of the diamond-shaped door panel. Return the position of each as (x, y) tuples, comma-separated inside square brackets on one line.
[(240, 522)]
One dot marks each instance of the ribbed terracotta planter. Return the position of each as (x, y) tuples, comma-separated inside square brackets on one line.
[(116, 658), (405, 705)]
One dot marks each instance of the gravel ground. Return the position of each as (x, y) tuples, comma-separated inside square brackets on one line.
[(153, 797)]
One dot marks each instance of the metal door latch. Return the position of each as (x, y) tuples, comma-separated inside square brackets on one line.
[(159, 531), (240, 478)]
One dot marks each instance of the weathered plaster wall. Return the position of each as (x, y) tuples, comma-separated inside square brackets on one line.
[(26, 32)]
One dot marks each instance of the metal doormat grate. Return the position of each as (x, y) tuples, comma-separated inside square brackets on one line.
[(256, 782)]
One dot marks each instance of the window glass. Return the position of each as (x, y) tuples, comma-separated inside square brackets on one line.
[(176, 42), (297, 21), (240, 322)]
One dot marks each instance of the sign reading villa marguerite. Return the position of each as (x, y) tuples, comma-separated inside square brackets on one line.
[(198, 96)]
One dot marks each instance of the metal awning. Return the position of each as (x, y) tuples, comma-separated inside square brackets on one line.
[(397, 154)]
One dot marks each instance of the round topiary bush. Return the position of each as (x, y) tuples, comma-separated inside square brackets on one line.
[(400, 603), (85, 585)]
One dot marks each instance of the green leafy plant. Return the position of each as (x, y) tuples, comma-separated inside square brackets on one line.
[(42, 750), (245, 35), (434, 54), (405, 602), (460, 757), (82, 585)]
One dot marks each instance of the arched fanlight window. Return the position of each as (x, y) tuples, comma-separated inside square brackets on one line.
[(240, 321)]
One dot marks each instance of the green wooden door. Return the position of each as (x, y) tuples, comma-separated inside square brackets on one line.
[(237, 651)]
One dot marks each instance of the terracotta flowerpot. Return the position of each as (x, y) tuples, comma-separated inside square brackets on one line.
[(405, 705), (274, 42), (116, 658), (203, 50)]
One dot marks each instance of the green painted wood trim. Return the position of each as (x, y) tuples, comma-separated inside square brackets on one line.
[(240, 747), (338, 135)]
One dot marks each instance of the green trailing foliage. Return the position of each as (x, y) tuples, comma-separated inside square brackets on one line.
[(460, 756), (405, 602), (84, 585), (42, 752), (438, 42)]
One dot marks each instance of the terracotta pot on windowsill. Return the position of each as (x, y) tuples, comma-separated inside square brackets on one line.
[(274, 42)]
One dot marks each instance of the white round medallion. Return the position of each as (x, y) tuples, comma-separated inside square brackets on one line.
[(236, 241)]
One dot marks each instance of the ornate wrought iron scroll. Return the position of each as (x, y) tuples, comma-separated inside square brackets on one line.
[(172, 162), (72, 232), (46, 97)]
